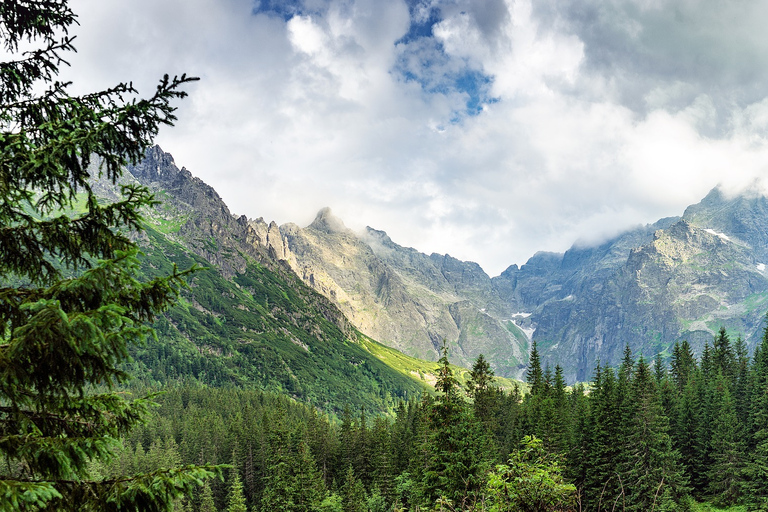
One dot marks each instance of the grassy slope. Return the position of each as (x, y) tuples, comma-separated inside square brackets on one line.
[(422, 370)]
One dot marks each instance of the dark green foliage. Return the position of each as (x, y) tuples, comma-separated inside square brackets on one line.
[(353, 493), (456, 450), (531, 481), (654, 474), (633, 442), (726, 449), (723, 358), (683, 364), (76, 306), (480, 388), (533, 374), (206, 504)]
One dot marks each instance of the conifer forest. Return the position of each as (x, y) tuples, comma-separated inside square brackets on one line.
[(643, 436)]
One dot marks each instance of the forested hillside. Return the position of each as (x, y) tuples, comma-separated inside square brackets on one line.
[(639, 437)]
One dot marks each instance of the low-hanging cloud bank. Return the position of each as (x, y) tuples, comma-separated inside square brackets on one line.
[(485, 130)]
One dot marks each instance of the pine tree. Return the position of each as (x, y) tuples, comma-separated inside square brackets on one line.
[(600, 480), (279, 490), (685, 436), (723, 358), (659, 370), (455, 449), (353, 493), (481, 389), (655, 465), (67, 323), (561, 428), (533, 375), (756, 471), (726, 450), (308, 484), (236, 499), (206, 502), (683, 364)]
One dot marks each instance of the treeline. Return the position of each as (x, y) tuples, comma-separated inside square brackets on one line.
[(640, 437)]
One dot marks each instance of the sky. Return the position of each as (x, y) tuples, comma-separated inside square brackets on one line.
[(484, 129)]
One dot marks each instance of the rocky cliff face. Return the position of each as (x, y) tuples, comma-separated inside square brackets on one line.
[(678, 279), (404, 298)]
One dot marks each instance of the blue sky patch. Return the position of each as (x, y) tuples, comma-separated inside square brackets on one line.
[(425, 62), (285, 9), (424, 16)]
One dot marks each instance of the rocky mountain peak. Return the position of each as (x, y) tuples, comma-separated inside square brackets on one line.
[(156, 166), (377, 235), (327, 222)]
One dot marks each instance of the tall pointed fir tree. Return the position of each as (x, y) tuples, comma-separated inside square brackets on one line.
[(683, 364), (655, 477), (533, 375), (756, 470), (206, 501), (235, 498), (456, 449), (725, 473), (69, 303)]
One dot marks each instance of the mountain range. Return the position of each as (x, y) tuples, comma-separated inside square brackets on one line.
[(678, 278), (246, 319)]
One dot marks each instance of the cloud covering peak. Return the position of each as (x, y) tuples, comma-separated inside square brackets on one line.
[(487, 130)]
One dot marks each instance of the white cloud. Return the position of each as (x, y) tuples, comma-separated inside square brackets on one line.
[(291, 116)]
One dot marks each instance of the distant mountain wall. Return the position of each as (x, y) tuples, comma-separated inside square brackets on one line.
[(679, 278)]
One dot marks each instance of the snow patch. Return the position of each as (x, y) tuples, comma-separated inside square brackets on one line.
[(761, 267), (721, 235), (528, 332)]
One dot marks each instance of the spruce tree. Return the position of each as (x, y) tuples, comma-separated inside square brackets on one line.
[(236, 499), (683, 364), (756, 471), (726, 450), (723, 358), (533, 375), (70, 305), (602, 484), (655, 464), (686, 437), (353, 497), (456, 449), (481, 389), (561, 428), (308, 485), (206, 502)]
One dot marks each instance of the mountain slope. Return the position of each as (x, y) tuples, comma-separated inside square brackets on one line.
[(406, 299), (681, 278), (246, 319)]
